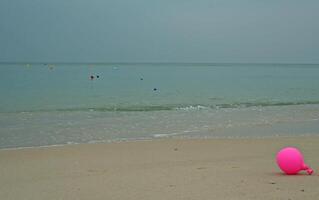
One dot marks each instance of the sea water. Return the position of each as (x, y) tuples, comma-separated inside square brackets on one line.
[(52, 104)]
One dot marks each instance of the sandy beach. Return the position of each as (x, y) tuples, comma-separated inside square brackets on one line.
[(161, 169)]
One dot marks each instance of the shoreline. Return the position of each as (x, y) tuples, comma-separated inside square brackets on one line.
[(159, 169), (164, 138)]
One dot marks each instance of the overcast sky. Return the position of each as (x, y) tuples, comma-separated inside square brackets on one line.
[(159, 31)]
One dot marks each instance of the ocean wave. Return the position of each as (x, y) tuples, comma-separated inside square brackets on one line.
[(189, 107), (173, 107), (266, 104), (192, 107)]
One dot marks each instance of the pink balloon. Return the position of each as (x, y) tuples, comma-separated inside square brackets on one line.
[(290, 161)]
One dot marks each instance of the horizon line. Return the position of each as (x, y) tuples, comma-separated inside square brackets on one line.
[(127, 63)]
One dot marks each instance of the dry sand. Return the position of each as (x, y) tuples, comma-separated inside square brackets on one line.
[(162, 169)]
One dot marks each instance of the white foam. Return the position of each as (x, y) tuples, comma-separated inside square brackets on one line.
[(162, 135), (188, 108)]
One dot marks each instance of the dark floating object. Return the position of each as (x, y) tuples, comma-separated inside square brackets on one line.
[(91, 77), (141, 79), (97, 76), (154, 89), (51, 67)]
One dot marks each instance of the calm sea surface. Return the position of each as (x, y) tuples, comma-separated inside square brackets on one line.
[(50, 104)]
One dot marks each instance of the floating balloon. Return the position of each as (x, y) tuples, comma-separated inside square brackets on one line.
[(290, 161)]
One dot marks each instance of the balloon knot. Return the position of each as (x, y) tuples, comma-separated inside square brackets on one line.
[(309, 171)]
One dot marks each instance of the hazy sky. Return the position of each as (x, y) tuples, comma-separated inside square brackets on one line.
[(159, 30)]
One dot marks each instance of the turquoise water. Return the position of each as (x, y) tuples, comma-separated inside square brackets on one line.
[(49, 104)]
